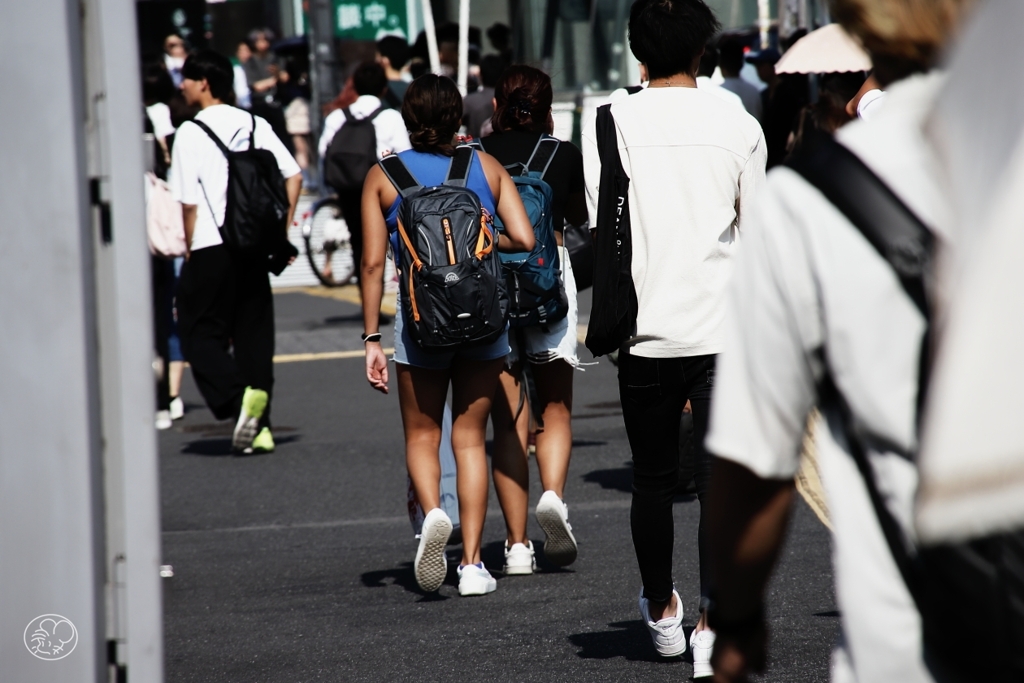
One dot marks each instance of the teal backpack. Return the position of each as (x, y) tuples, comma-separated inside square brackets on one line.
[(533, 279)]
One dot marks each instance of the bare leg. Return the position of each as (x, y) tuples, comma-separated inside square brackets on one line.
[(473, 386), (509, 463), (177, 371), (421, 395), (554, 442)]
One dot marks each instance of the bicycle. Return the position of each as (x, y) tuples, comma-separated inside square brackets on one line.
[(328, 246)]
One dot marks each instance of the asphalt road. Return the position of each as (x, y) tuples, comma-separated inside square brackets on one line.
[(296, 566)]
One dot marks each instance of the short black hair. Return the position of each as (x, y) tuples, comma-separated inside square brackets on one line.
[(216, 69), (491, 68), (666, 35), (731, 55), (395, 49), (369, 79)]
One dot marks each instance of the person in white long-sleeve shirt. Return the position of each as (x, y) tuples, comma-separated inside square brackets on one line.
[(370, 82), (694, 162)]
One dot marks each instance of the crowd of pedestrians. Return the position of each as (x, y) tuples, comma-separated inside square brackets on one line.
[(739, 299)]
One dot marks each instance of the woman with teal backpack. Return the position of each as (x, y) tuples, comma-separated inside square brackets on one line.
[(425, 362), (522, 138)]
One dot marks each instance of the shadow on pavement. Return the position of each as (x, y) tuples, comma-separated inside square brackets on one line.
[(627, 639), (403, 576), (217, 448), (621, 479)]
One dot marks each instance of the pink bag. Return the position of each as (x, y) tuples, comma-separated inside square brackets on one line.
[(164, 225)]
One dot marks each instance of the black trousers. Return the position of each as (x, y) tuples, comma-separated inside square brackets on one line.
[(654, 392), (226, 325), (351, 202), (162, 272)]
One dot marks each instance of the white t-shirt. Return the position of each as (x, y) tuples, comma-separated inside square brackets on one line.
[(694, 163), (199, 170), (809, 286), (705, 83), (389, 126), (748, 92), (160, 116)]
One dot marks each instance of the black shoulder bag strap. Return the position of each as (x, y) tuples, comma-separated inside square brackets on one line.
[(226, 152), (902, 239), (399, 175), (542, 156), (458, 170)]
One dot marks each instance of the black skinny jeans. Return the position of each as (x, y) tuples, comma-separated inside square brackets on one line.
[(653, 392)]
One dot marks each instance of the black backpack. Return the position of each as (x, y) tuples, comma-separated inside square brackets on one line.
[(257, 201), (453, 291), (970, 594), (352, 152), (615, 307)]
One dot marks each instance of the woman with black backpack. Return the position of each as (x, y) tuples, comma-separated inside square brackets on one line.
[(436, 203), (523, 125)]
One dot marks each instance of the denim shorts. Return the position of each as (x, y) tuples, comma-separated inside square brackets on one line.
[(408, 352)]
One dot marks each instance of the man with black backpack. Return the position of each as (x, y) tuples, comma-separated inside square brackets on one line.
[(354, 139), (832, 304), (238, 187), (670, 174)]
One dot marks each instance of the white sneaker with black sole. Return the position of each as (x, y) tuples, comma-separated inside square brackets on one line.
[(430, 565), (553, 517), (520, 559), (474, 579), (702, 643), (667, 633)]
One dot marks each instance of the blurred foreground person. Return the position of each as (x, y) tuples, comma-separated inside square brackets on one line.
[(434, 204), (225, 307), (693, 164), (819, 316)]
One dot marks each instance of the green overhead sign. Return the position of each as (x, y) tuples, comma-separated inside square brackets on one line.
[(370, 19)]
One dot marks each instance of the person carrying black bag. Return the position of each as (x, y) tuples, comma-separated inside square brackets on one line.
[(670, 173), (238, 187)]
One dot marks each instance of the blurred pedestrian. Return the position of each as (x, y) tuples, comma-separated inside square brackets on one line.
[(346, 163), (708, 64), (432, 111), (730, 60), (243, 96), (817, 315), (694, 163), (522, 124), (478, 106), (174, 57), (764, 61), (225, 307), (393, 54)]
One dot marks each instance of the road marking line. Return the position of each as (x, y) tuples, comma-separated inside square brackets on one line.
[(324, 355), (620, 504), (347, 293)]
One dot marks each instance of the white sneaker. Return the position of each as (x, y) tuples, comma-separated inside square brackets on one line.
[(163, 420), (702, 643), (553, 517), (430, 565), (667, 634), (177, 408), (519, 559), (475, 580)]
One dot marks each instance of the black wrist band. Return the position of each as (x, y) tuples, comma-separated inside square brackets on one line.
[(736, 628), (372, 337)]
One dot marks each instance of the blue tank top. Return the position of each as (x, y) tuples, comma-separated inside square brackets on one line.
[(431, 169)]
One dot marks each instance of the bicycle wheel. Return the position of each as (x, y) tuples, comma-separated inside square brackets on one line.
[(327, 243)]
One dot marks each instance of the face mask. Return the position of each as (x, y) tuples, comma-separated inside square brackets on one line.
[(174, 63)]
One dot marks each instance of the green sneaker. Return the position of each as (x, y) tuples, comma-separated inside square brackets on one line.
[(254, 402), (264, 442)]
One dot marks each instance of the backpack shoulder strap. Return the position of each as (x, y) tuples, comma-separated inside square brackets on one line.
[(634, 89), (223, 148), (347, 113), (252, 135), (892, 228), (376, 112), (399, 175), (458, 170), (543, 155)]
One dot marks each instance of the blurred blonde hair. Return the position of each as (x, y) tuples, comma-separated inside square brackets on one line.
[(902, 36)]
